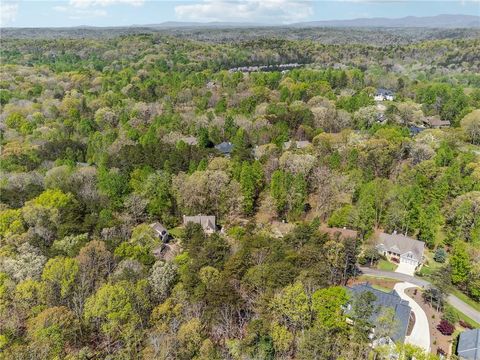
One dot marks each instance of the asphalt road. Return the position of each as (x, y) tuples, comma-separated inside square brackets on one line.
[(452, 299)]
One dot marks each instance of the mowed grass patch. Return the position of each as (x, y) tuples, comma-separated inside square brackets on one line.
[(386, 265), (465, 298)]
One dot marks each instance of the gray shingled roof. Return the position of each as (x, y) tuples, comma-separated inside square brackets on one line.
[(391, 300), (401, 244), (436, 121), (159, 228), (469, 345), (224, 147), (384, 92), (206, 221)]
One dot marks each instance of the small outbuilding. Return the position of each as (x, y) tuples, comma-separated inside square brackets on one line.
[(161, 231), (225, 148)]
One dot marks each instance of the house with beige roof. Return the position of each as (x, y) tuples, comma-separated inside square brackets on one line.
[(206, 221), (435, 122)]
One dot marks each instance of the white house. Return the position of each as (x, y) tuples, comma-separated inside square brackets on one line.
[(401, 248)]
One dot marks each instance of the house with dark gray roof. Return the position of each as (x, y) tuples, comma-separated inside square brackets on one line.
[(401, 248), (383, 94), (225, 148), (469, 345), (402, 311), (415, 130), (206, 221)]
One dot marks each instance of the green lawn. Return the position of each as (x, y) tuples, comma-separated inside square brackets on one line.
[(465, 318), (430, 265), (176, 232), (386, 265), (465, 298), (426, 271), (381, 288)]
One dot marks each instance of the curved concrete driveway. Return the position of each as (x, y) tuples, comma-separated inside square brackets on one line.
[(420, 335), (452, 299)]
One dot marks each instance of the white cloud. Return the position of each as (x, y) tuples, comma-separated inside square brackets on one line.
[(8, 12), (86, 9), (283, 11), (104, 3), (76, 14)]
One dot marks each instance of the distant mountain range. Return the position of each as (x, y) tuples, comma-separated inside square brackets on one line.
[(439, 21)]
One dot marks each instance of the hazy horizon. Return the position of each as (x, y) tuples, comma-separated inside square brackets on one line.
[(120, 13)]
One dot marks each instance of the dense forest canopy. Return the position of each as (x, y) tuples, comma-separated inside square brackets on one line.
[(103, 135)]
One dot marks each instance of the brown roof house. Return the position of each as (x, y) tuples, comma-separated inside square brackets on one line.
[(402, 248), (342, 233), (435, 122), (206, 221)]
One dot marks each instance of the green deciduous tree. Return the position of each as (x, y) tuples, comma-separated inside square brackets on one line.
[(112, 310), (328, 304), (60, 275), (292, 307), (460, 263)]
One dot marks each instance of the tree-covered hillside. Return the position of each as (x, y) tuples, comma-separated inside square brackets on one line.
[(102, 137)]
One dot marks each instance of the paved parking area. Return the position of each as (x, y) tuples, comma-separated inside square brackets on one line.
[(404, 268)]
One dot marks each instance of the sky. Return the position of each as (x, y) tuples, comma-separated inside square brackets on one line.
[(65, 13)]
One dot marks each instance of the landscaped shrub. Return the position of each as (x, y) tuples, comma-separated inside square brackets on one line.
[(445, 327), (465, 324), (450, 315), (370, 256), (440, 255)]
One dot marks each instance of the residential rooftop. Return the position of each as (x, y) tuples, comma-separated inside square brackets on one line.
[(469, 345), (390, 300), (401, 244), (342, 232)]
